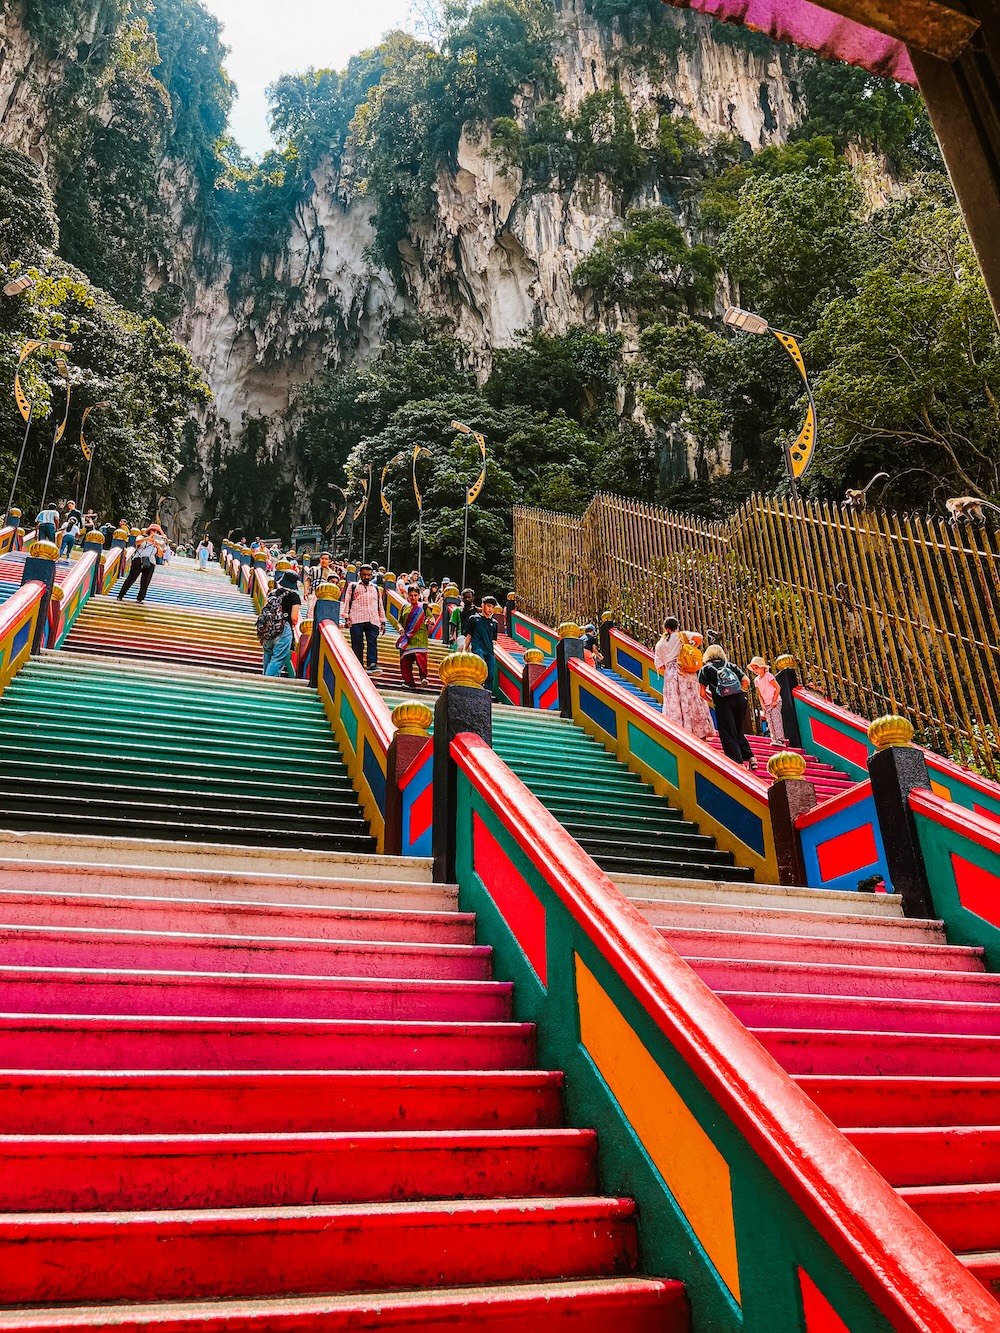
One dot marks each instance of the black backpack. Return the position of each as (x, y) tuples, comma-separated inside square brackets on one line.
[(729, 682), (271, 620)]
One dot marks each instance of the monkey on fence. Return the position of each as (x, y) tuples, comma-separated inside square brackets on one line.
[(966, 508), (859, 499)]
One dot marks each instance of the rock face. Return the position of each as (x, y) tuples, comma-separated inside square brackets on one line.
[(496, 255)]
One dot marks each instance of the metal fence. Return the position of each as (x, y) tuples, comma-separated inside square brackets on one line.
[(885, 613)]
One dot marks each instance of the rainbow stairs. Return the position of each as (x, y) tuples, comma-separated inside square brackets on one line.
[(12, 571), (892, 1031), (827, 780), (189, 617), (610, 811), (390, 679), (121, 748), (265, 1094)]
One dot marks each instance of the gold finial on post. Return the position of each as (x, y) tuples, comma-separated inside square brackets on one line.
[(413, 719), (786, 662), (570, 630), (786, 765), (462, 669), (533, 657), (891, 730)]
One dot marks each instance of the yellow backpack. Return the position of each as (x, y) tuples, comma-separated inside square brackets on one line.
[(690, 661)]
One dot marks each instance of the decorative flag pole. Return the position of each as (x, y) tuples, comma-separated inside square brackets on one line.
[(60, 429), (471, 492), (88, 451), (799, 455), (387, 505), (26, 408), (417, 451)]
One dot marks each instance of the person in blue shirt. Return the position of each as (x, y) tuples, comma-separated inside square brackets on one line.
[(480, 636)]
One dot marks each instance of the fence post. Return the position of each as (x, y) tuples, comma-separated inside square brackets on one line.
[(788, 679), (570, 646), (94, 541), (463, 705), (327, 608), (40, 567), (789, 796), (895, 769), (534, 666), (413, 722)]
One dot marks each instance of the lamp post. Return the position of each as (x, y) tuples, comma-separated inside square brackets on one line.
[(799, 455), (60, 429), (471, 492), (25, 406), (88, 450)]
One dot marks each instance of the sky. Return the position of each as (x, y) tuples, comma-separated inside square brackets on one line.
[(272, 37)]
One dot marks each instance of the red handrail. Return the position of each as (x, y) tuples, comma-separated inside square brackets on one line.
[(13, 608), (375, 706), (905, 1268)]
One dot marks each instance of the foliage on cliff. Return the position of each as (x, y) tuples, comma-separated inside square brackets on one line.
[(120, 357)]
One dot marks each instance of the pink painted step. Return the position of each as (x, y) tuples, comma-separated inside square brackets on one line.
[(248, 995), (746, 922), (815, 949), (34, 1042), (822, 979), (213, 1101), (248, 887), (96, 1174), (918, 1055), (222, 916), (873, 1102), (252, 1253), (932, 1156), (864, 1014), (56, 946), (586, 1305)]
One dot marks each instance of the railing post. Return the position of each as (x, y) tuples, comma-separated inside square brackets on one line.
[(570, 646), (607, 624), (895, 769), (327, 608), (508, 615), (413, 723), (94, 541), (463, 705), (789, 796), (40, 567), (133, 536), (13, 520), (534, 667), (788, 679)]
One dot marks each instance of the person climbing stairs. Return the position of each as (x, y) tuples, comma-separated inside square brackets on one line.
[(610, 811), (890, 1029), (285, 1100)]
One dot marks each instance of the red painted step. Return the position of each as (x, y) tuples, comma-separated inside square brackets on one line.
[(39, 1042), (56, 946), (813, 1051), (817, 953), (248, 995), (873, 1102), (211, 1101), (932, 1156), (626, 1304), (966, 1217), (844, 980), (866, 1015), (116, 1173), (252, 1253)]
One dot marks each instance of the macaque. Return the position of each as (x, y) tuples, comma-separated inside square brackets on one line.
[(966, 508), (859, 499)]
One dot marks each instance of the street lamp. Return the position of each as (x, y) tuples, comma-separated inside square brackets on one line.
[(26, 407), (471, 492), (60, 429), (800, 454), (87, 450)]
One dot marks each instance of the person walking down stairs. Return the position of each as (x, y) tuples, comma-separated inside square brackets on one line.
[(364, 614), (142, 567), (274, 624), (413, 640)]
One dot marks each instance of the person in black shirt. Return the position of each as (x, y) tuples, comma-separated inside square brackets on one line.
[(725, 689), (480, 635)]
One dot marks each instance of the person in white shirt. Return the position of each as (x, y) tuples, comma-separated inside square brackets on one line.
[(364, 613), (142, 567)]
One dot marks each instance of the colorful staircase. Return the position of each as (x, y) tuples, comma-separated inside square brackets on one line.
[(198, 619), (827, 780), (164, 751), (888, 1027), (612, 813), (277, 1103), (12, 571)]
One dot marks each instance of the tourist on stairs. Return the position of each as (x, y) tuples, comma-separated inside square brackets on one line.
[(142, 567), (274, 624), (413, 640), (695, 714), (769, 693), (725, 687), (364, 615), (204, 553), (481, 635), (665, 655)]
